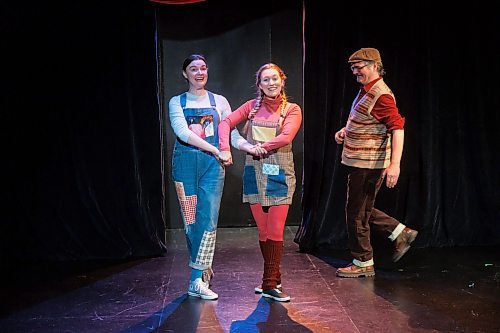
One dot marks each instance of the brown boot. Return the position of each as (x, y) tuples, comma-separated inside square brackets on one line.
[(403, 242), (353, 271)]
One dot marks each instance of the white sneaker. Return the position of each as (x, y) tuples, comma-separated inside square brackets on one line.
[(198, 288)]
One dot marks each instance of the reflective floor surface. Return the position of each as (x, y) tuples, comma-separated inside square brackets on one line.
[(429, 290)]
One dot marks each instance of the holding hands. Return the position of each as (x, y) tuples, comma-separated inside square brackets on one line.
[(225, 157), (255, 150)]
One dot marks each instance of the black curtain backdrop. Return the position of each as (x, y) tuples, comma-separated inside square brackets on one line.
[(442, 65), (81, 135), (80, 132)]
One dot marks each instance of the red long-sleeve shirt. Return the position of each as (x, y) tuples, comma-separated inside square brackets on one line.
[(385, 109), (268, 111)]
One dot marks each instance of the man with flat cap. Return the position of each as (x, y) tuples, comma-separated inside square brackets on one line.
[(372, 147)]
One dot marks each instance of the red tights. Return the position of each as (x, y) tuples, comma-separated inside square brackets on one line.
[(270, 221)]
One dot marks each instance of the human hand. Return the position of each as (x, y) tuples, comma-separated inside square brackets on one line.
[(340, 135), (259, 150), (392, 175), (225, 158)]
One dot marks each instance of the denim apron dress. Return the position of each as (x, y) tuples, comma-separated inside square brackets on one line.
[(199, 180)]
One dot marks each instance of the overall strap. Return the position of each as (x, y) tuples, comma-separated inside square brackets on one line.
[(183, 101), (211, 97)]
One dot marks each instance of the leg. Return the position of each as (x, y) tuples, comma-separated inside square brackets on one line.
[(397, 232), (273, 252), (276, 227), (363, 185), (362, 188), (260, 218), (199, 198)]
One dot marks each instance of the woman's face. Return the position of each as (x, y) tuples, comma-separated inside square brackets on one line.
[(271, 82), (197, 74)]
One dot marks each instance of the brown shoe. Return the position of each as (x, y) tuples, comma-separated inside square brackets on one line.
[(353, 271), (403, 243)]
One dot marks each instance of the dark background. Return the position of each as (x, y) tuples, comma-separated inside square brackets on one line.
[(82, 109)]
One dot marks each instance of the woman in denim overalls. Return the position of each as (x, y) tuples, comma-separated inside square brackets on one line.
[(197, 171)]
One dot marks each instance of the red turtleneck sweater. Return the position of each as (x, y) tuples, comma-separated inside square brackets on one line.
[(268, 111)]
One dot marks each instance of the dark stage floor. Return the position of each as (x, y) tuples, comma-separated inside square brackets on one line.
[(429, 290)]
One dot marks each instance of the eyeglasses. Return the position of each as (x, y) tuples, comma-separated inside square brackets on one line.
[(358, 67)]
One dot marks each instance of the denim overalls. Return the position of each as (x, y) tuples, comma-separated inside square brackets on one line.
[(199, 180)]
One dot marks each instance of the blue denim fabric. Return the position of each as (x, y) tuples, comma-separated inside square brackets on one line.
[(276, 185), (250, 180), (199, 181)]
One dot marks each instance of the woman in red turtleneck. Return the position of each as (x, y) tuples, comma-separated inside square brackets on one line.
[(269, 175)]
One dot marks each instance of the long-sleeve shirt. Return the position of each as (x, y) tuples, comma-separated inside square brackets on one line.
[(179, 123), (268, 111), (385, 109)]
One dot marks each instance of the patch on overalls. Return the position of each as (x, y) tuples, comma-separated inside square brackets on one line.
[(188, 204), (206, 250)]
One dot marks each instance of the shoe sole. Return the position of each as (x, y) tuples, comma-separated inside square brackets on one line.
[(403, 252), (279, 299), (210, 298), (259, 290), (356, 275)]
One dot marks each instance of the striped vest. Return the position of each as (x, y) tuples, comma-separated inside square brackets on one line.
[(367, 144)]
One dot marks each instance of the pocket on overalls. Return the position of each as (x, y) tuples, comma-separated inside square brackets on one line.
[(249, 180), (276, 185)]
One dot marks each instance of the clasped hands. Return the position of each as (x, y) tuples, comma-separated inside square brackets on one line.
[(226, 159)]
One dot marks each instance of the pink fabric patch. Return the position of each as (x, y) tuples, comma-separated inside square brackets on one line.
[(188, 204)]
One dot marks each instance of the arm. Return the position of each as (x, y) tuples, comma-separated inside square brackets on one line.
[(230, 122), (386, 111), (225, 110), (393, 169), (181, 129), (291, 126)]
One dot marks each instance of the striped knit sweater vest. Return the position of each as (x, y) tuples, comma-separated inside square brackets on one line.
[(367, 143)]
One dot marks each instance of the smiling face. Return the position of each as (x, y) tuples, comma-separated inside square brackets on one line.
[(270, 82), (196, 73), (365, 71)]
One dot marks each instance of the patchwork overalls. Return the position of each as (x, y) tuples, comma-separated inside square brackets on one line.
[(269, 180), (199, 180)]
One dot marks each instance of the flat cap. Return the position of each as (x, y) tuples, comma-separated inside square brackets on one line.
[(365, 54)]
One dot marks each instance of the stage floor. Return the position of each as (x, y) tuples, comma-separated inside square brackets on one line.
[(429, 290)]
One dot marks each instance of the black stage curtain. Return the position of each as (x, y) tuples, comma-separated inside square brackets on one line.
[(81, 150), (442, 66), (80, 132)]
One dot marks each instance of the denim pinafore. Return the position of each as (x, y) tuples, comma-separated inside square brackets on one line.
[(199, 181)]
